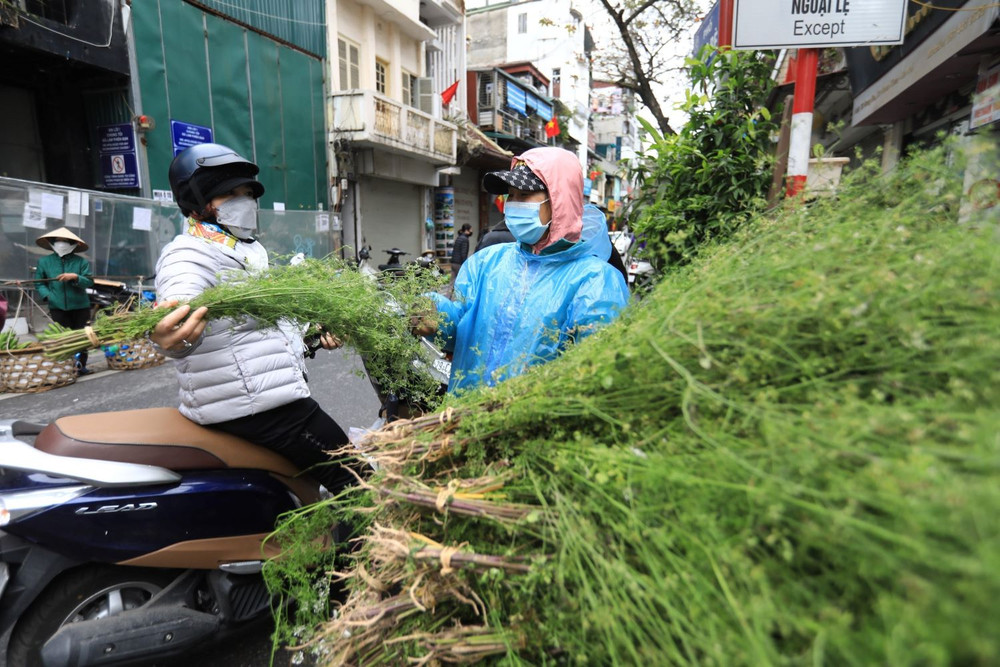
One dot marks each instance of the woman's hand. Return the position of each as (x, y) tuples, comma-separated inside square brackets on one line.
[(423, 324), (176, 333), (329, 341), (67, 277)]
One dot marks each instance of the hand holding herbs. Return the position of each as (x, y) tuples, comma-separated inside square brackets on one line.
[(180, 328), (327, 295)]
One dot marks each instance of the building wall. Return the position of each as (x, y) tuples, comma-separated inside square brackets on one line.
[(377, 38), (553, 39), (391, 217), (487, 38), (299, 22), (260, 97)]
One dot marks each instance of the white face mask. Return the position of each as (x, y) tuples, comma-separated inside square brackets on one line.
[(239, 216), (63, 248)]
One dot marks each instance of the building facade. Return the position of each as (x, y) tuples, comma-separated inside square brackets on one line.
[(388, 137)]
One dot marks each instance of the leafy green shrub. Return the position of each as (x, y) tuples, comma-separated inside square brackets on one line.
[(703, 183)]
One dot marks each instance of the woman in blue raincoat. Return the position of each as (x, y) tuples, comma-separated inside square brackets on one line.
[(519, 304)]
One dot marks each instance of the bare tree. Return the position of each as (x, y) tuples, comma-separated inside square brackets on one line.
[(640, 59)]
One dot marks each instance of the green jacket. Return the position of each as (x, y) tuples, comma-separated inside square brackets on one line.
[(68, 295)]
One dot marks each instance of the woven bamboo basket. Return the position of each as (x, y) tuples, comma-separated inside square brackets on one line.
[(29, 371), (132, 355)]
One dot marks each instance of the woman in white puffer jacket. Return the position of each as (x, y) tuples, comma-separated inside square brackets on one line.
[(235, 377)]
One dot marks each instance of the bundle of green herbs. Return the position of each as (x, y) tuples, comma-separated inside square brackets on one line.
[(322, 294), (787, 454)]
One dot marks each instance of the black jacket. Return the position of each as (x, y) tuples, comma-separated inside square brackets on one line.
[(499, 234), (460, 251)]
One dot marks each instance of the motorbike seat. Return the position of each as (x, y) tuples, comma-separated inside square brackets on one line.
[(159, 437)]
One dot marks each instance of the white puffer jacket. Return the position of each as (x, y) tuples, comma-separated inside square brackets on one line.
[(234, 369)]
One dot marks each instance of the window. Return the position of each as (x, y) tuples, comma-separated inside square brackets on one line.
[(522, 23), (350, 73), (556, 74), (380, 69), (410, 89)]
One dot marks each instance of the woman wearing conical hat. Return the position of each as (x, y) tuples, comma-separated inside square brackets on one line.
[(62, 278)]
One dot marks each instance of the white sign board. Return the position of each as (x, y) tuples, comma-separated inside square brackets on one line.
[(774, 24)]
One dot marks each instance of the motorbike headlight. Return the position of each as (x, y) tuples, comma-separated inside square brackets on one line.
[(14, 506)]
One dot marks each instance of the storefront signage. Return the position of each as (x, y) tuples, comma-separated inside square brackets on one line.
[(960, 29), (765, 24), (866, 64), (119, 166), (986, 101), (184, 135)]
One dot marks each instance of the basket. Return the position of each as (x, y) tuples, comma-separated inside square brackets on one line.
[(132, 355), (29, 371)]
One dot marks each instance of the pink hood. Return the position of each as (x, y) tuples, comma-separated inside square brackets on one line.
[(560, 170)]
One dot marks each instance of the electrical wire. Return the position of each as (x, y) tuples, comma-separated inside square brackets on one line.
[(111, 29)]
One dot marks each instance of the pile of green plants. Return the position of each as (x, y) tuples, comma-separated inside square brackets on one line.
[(707, 180), (326, 294), (10, 341), (788, 453)]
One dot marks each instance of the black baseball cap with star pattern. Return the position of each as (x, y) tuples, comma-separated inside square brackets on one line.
[(520, 177)]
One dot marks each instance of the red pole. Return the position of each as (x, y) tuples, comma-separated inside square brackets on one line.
[(725, 24), (802, 119)]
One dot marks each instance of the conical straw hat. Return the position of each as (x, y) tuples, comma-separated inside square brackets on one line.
[(61, 234)]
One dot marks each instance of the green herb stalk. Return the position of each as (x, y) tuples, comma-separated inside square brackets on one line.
[(323, 294)]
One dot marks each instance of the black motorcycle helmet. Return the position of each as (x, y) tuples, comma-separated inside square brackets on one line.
[(200, 173)]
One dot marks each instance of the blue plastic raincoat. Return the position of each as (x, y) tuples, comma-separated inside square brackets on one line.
[(512, 308)]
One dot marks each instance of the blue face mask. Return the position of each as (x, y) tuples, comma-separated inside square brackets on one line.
[(523, 220)]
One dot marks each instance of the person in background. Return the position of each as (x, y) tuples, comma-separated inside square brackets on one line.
[(460, 251), (62, 279), (497, 234), (518, 304), (236, 377)]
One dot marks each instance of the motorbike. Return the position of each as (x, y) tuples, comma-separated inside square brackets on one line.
[(640, 272), (114, 295), (132, 536), (393, 267)]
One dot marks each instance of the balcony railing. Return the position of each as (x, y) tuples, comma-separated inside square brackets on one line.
[(501, 120), (370, 119)]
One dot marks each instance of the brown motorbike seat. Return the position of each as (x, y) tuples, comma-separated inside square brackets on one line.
[(159, 437)]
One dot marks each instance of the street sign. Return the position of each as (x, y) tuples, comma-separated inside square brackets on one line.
[(765, 24), (119, 166), (184, 135), (708, 31)]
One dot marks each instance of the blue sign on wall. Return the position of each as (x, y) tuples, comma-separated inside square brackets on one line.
[(119, 166), (184, 135)]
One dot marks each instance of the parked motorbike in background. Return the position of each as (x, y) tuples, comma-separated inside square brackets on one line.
[(394, 267), (640, 272), (114, 295), (127, 537)]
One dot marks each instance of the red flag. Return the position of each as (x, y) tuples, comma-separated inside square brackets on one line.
[(499, 202), (449, 93), (552, 128)]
